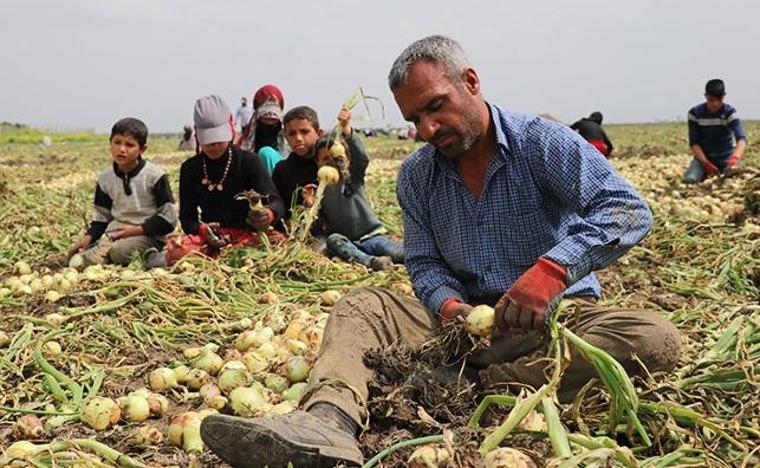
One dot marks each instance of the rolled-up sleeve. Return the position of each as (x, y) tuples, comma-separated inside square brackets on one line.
[(432, 279), (613, 216)]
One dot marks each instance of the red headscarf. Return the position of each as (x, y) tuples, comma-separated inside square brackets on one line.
[(268, 93)]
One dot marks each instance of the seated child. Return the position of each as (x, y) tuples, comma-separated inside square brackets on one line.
[(353, 230), (218, 180), (134, 207), (300, 168)]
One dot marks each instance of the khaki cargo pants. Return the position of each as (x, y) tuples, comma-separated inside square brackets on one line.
[(374, 318)]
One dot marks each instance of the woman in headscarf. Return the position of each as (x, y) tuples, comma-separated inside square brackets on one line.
[(265, 128)]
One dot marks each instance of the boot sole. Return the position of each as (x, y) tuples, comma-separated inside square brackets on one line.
[(257, 446)]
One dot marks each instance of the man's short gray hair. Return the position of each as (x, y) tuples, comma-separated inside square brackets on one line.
[(436, 49)]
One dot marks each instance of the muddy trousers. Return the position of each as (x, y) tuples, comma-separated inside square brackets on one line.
[(374, 318)]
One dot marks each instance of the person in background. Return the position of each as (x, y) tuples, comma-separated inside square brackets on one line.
[(713, 127), (243, 114), (265, 127), (590, 128), (188, 143)]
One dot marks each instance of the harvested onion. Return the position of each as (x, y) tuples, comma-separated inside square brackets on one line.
[(100, 413), (480, 321)]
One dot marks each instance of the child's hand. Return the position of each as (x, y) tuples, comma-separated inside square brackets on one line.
[(81, 246), (307, 193), (344, 118), (126, 231)]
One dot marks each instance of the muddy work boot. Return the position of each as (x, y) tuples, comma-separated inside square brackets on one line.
[(301, 438), (380, 263)]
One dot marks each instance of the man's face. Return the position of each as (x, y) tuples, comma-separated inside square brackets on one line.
[(713, 103), (446, 113), (301, 136), (125, 150)]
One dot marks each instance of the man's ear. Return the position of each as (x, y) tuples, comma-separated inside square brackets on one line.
[(143, 150), (471, 81)]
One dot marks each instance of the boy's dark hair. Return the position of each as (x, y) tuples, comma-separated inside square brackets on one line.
[(715, 88), (302, 112), (135, 128)]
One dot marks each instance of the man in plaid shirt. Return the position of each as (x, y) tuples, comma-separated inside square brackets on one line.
[(499, 208)]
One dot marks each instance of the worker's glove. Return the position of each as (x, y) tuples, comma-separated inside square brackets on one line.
[(532, 297), (454, 309), (732, 161), (710, 169)]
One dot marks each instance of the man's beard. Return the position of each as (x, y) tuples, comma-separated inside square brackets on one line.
[(466, 139)]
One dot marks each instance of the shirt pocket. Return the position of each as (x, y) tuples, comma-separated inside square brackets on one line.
[(523, 235)]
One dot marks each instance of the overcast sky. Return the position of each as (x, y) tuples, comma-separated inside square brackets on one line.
[(87, 63)]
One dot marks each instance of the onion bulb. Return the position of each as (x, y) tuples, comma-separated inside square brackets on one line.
[(506, 457), (297, 369), (429, 456), (148, 436), (208, 361), (100, 413), (480, 321), (22, 268), (135, 408), (162, 379), (328, 175), (158, 405), (28, 426), (276, 383), (196, 378), (76, 261), (329, 298), (283, 407), (22, 450), (185, 432), (246, 401), (268, 298), (51, 348), (294, 392), (255, 362), (233, 374), (181, 373)]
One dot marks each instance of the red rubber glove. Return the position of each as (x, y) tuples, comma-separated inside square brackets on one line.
[(528, 302), (733, 160), (453, 308), (710, 169)]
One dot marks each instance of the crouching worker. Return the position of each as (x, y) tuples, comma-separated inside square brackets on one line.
[(713, 127), (352, 229), (225, 183), (134, 208), (499, 208)]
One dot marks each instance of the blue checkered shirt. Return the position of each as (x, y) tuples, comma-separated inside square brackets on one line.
[(547, 193)]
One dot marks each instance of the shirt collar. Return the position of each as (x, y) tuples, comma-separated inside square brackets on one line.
[(502, 143), (133, 172)]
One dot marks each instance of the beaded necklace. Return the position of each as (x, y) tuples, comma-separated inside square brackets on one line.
[(217, 186)]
